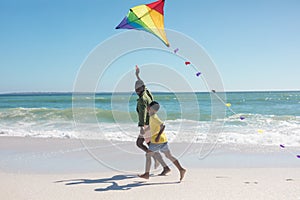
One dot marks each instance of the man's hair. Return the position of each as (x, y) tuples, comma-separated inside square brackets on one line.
[(139, 83), (154, 105)]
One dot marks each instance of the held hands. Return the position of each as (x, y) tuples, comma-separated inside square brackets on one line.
[(146, 128), (142, 131)]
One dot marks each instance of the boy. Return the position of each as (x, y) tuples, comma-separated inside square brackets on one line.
[(158, 142)]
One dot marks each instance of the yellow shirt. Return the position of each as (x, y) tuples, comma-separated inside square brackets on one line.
[(155, 123)]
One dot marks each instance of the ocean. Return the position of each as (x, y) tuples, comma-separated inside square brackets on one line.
[(270, 118)]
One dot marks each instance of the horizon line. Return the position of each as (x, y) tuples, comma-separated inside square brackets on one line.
[(130, 92)]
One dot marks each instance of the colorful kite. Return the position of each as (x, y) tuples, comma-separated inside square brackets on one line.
[(149, 17)]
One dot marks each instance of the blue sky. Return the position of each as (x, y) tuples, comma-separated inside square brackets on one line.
[(255, 44)]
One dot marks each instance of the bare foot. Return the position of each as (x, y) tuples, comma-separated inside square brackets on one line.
[(182, 173), (145, 176), (165, 171)]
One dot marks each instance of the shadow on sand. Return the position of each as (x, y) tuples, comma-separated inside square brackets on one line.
[(113, 181)]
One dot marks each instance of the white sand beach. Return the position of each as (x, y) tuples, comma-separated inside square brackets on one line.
[(35, 168), (254, 183)]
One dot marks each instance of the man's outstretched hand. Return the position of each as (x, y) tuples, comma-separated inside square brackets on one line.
[(137, 71)]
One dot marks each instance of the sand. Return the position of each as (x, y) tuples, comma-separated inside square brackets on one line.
[(63, 169)]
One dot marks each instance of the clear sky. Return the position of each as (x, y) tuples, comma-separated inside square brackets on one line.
[(254, 43)]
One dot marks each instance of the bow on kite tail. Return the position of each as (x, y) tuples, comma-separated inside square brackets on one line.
[(148, 17)]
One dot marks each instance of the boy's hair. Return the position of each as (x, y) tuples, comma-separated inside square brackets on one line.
[(154, 105)]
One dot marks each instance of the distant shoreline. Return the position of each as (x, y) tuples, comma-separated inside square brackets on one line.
[(129, 93)]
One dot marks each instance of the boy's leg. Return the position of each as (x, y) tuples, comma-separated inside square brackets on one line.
[(173, 159), (166, 169), (176, 163), (157, 156)]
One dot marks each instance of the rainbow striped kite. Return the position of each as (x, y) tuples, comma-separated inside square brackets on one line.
[(149, 17)]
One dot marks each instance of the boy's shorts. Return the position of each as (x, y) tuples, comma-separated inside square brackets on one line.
[(163, 147)]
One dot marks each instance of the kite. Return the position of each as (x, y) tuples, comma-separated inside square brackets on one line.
[(147, 17)]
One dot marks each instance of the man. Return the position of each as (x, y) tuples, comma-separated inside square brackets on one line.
[(144, 100)]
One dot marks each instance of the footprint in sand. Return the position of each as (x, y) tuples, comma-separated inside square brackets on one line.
[(222, 177), (255, 182), (289, 179)]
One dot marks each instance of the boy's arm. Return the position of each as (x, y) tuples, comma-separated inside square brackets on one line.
[(162, 128)]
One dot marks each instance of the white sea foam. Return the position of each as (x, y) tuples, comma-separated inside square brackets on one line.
[(255, 129)]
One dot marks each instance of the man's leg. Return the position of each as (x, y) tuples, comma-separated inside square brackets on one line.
[(140, 143), (156, 159), (147, 137), (146, 175)]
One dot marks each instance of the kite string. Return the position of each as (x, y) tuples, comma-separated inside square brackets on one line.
[(225, 104), (202, 77), (207, 87)]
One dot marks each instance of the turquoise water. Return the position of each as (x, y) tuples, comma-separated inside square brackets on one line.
[(51, 114), (264, 103)]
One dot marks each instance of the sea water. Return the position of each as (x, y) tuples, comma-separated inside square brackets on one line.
[(271, 118)]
